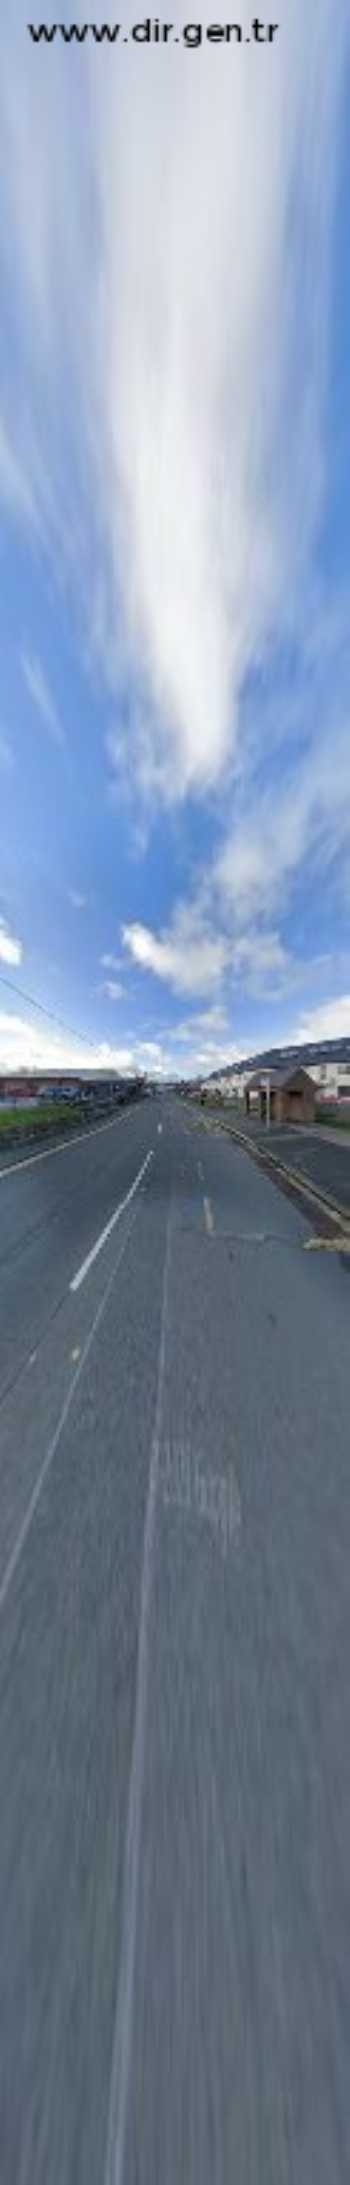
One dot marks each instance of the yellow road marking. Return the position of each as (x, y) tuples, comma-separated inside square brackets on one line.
[(327, 1244)]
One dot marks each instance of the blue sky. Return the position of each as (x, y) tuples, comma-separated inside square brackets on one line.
[(175, 533)]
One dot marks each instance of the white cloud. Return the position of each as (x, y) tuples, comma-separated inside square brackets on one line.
[(260, 951), (152, 1055), (24, 1046), (204, 1020), (39, 691), (162, 433), (261, 963), (212, 1056), (111, 963), (308, 818), (11, 950), (331, 1020), (188, 954), (15, 490), (113, 989), (159, 438), (195, 956)]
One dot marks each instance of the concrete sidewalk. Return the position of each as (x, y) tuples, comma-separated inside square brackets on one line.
[(324, 1163), (320, 1157)]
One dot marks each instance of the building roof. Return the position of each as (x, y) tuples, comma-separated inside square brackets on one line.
[(280, 1079)]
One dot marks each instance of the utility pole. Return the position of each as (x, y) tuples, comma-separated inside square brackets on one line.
[(268, 1103)]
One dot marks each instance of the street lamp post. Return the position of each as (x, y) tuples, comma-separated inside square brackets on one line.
[(266, 1083)]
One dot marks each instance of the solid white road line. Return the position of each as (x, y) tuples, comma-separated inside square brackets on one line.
[(100, 1241), (22, 1536), (64, 1145)]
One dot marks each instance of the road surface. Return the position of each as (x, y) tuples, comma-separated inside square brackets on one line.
[(174, 1670)]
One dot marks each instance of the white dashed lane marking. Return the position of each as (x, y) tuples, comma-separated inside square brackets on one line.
[(107, 1232)]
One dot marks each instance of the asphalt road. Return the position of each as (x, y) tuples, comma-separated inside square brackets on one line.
[(174, 1670)]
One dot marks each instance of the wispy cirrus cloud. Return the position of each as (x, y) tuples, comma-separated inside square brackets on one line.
[(305, 818), (41, 695), (112, 988), (111, 963), (11, 949), (159, 433), (15, 490), (159, 439), (77, 900), (202, 1021)]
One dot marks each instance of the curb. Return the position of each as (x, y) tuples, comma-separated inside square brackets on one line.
[(295, 1178)]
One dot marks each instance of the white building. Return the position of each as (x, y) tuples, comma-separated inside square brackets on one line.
[(230, 1084), (331, 1078)]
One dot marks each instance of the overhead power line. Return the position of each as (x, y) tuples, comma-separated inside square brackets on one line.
[(86, 1039)]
